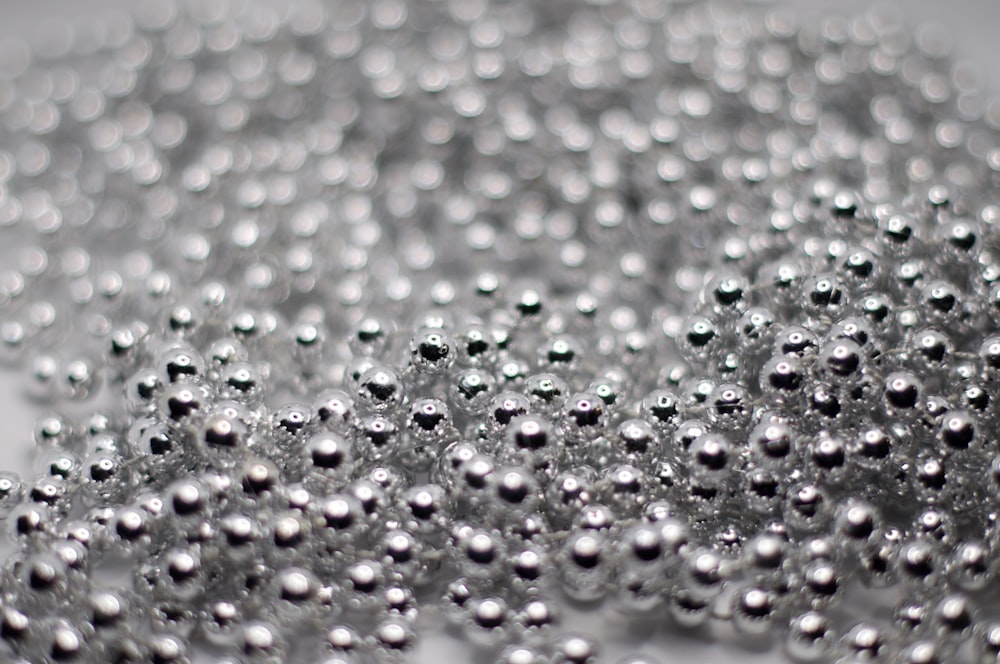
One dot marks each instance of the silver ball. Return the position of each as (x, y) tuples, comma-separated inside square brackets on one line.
[(810, 638)]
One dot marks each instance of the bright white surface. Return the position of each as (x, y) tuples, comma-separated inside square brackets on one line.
[(975, 24)]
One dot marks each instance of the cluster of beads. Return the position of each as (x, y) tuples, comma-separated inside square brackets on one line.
[(498, 309)]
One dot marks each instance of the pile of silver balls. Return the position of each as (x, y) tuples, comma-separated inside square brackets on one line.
[(346, 316)]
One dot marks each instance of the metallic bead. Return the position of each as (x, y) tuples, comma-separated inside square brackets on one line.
[(11, 492), (969, 565), (572, 649), (864, 640), (432, 351), (328, 459), (810, 638), (393, 637), (472, 391)]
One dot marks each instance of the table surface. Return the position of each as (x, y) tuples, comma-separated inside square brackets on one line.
[(974, 24)]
